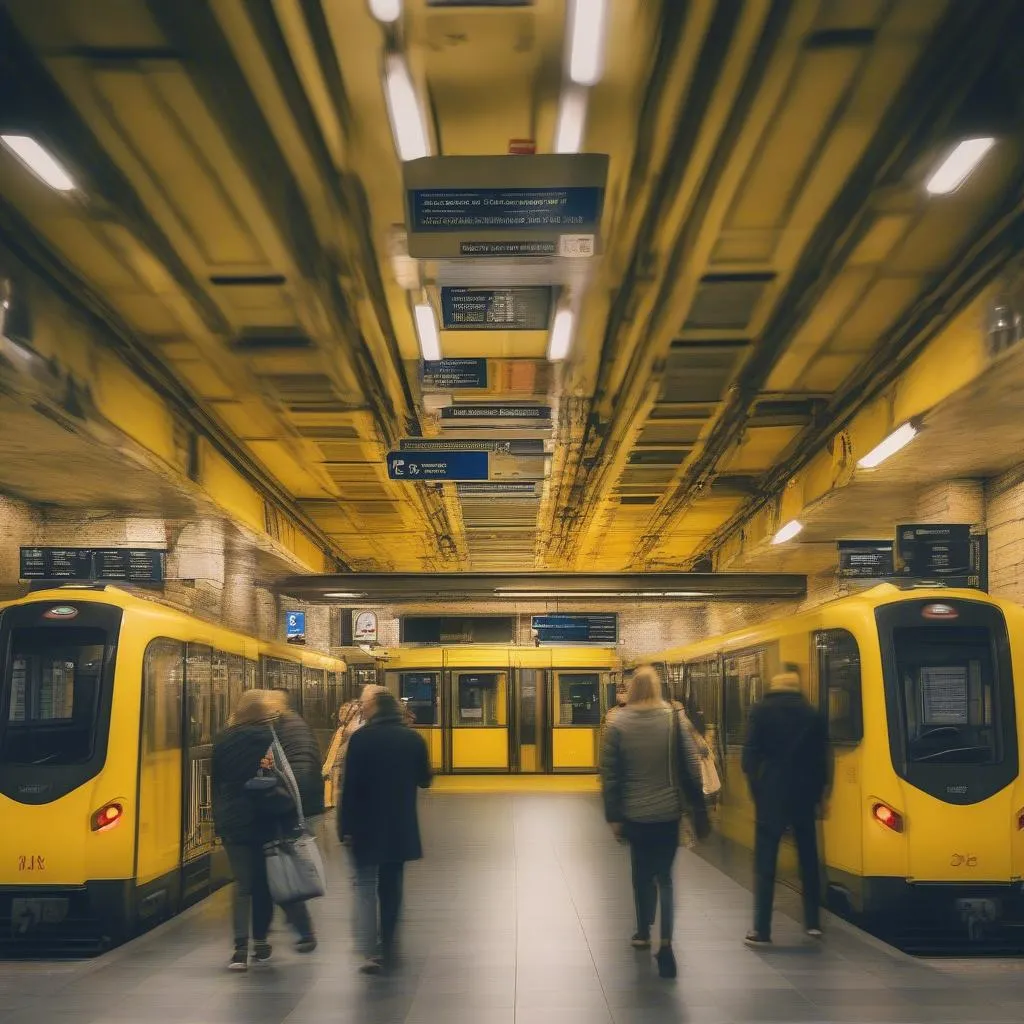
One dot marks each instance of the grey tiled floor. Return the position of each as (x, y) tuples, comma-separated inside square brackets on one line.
[(520, 914)]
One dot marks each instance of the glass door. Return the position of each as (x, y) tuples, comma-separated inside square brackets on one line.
[(479, 709), (578, 700), (529, 750), (420, 693)]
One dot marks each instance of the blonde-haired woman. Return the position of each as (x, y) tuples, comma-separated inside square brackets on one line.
[(650, 772), (240, 823)]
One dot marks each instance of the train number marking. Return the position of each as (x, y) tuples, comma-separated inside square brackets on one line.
[(31, 862), (963, 860)]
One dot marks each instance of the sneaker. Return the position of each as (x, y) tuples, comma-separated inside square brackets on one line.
[(239, 959), (814, 933), (371, 965), (306, 945), (262, 951), (666, 962), (756, 940), (641, 941)]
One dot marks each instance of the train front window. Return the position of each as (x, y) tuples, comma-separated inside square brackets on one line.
[(51, 690), (950, 695)]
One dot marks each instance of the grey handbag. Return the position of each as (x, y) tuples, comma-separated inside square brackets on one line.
[(295, 869)]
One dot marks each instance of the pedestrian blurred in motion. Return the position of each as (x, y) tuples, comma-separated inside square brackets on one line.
[(303, 753), (787, 762), (651, 775), (385, 765), (351, 716), (243, 822)]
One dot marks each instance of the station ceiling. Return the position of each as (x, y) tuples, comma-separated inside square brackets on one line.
[(771, 254)]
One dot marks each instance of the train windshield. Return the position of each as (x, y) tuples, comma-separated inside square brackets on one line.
[(950, 694), (51, 695)]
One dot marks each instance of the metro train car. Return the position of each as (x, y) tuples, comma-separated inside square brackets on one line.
[(923, 691), (526, 710), (109, 705)]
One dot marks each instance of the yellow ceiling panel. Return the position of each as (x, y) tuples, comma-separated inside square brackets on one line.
[(759, 449)]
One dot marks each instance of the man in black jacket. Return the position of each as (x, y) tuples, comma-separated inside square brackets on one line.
[(385, 764), (787, 763)]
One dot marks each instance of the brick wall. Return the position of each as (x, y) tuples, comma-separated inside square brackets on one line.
[(1004, 499)]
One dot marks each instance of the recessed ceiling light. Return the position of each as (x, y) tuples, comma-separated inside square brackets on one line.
[(386, 10), (958, 166), (426, 331), (788, 532), (561, 335), (587, 22), (898, 439), (404, 111)]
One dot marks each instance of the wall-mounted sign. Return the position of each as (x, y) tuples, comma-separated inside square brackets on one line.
[(577, 628), (418, 466), (140, 566), (499, 489), (454, 374), (496, 309), (934, 550), (364, 627), (865, 559), (505, 206), (506, 446), (295, 627)]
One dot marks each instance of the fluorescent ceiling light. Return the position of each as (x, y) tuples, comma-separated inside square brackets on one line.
[(898, 439), (572, 120), (955, 169), (344, 593), (386, 10), (587, 23), (561, 336), (426, 331), (788, 532), (404, 111), (40, 161)]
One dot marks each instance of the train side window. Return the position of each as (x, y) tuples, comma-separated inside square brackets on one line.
[(163, 669), (744, 683), (314, 698), (839, 679), (252, 674), (198, 675), (220, 693), (236, 680)]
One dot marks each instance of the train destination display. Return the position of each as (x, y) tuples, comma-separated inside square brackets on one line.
[(142, 566), (577, 628)]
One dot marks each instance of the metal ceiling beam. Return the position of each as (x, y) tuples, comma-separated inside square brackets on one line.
[(406, 588)]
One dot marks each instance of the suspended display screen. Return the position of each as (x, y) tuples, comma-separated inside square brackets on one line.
[(576, 628), (458, 629)]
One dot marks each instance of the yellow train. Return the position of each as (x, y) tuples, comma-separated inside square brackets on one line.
[(108, 709), (506, 709), (924, 695)]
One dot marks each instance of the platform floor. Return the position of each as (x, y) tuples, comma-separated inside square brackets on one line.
[(520, 914)]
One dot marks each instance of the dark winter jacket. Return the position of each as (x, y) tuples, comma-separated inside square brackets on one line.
[(303, 753), (385, 764), (237, 754), (786, 758)]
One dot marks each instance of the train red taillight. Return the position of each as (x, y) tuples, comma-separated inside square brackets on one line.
[(885, 815), (107, 817)]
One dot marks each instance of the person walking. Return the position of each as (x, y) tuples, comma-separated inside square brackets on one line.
[(385, 765), (351, 716), (244, 823), (788, 766), (650, 775), (303, 753)]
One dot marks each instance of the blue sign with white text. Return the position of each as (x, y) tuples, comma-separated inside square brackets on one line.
[(455, 373), (295, 627), (505, 209), (416, 466)]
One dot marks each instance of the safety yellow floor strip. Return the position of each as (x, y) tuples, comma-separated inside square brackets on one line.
[(516, 783)]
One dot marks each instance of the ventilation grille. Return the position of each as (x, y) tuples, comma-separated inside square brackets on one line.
[(700, 373), (727, 301)]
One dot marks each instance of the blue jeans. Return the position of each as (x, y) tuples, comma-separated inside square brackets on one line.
[(373, 884)]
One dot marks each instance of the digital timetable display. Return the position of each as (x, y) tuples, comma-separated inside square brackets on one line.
[(577, 628)]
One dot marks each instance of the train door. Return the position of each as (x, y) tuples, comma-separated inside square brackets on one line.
[(420, 692), (530, 746), (479, 713), (577, 710), (197, 787)]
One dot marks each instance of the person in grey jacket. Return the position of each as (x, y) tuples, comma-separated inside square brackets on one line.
[(650, 772)]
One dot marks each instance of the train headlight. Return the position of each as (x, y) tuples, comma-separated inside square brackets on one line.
[(885, 815), (107, 817)]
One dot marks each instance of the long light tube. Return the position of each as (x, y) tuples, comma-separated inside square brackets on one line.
[(958, 166), (587, 24), (788, 532), (426, 331), (386, 10), (572, 120), (40, 161), (560, 341), (898, 439), (404, 111)]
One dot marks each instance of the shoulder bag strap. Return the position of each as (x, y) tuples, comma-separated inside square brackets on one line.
[(281, 761)]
